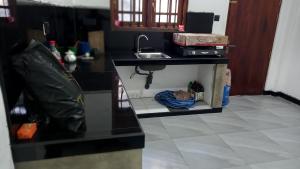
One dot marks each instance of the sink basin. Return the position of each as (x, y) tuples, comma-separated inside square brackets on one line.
[(152, 55)]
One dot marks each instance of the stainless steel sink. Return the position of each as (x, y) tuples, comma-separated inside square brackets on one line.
[(152, 55)]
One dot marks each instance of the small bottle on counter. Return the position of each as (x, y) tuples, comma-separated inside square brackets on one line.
[(197, 91), (54, 51)]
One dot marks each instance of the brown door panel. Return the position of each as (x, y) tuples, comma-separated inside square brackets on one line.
[(251, 27)]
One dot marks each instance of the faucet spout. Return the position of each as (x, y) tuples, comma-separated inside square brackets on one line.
[(138, 42)]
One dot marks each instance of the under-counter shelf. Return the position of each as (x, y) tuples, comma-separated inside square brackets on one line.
[(148, 107), (173, 78)]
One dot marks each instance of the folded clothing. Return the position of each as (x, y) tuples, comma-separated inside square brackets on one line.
[(182, 95), (169, 99)]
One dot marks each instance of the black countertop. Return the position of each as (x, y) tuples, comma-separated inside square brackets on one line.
[(126, 58), (110, 120)]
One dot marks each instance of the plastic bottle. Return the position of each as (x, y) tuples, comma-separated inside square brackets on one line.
[(197, 91), (227, 87), (54, 51)]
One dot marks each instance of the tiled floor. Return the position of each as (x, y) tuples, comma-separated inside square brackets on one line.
[(254, 132)]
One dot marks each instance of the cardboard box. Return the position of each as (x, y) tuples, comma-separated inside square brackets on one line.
[(198, 39)]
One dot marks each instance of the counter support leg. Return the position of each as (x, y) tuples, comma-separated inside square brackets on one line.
[(218, 85)]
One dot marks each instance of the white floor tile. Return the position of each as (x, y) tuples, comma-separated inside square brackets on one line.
[(162, 154), (267, 101), (240, 103), (255, 147), (291, 115), (185, 126), (285, 164), (242, 167), (226, 123), (154, 129), (288, 138), (262, 119), (207, 152)]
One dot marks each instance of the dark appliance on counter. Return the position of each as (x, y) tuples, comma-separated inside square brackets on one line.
[(199, 22), (200, 51)]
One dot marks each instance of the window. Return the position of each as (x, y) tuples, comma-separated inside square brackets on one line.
[(6, 10), (149, 14)]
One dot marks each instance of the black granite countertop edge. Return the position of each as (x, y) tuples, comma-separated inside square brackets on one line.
[(93, 146), (127, 58), (104, 135), (136, 62)]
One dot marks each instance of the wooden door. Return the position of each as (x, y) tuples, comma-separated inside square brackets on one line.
[(251, 29)]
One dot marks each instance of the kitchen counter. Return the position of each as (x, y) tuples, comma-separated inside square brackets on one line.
[(209, 70), (111, 124), (125, 58)]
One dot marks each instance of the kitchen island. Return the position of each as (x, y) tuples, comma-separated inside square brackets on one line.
[(113, 136)]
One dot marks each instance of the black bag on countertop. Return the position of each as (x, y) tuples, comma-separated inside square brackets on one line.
[(50, 87)]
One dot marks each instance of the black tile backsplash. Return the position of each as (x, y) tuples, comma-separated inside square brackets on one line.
[(67, 25), (115, 40), (70, 24)]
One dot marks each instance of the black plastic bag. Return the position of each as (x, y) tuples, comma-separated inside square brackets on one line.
[(51, 90)]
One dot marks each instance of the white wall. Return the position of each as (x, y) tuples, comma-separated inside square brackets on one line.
[(173, 77), (284, 69), (5, 152), (105, 4)]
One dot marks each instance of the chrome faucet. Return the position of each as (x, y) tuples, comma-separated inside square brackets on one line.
[(138, 50)]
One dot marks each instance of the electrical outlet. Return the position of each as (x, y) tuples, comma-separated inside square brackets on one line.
[(134, 94), (217, 18)]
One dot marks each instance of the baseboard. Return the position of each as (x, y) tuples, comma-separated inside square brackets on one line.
[(282, 95)]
